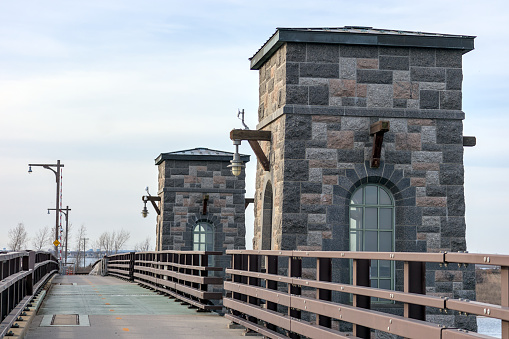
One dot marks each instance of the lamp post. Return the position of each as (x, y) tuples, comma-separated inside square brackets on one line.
[(84, 250), (66, 213), (58, 165)]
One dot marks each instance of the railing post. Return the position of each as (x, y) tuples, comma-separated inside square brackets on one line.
[(104, 264), (5, 270), (182, 261), (271, 264), (504, 285), (188, 262), (414, 282), (29, 264), (244, 267), (324, 273), (294, 270), (25, 262), (132, 257), (201, 260), (253, 261), (237, 265), (204, 263), (361, 278), (3, 300)]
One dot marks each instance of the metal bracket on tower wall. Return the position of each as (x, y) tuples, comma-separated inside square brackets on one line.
[(152, 199), (253, 137), (378, 129), (205, 202)]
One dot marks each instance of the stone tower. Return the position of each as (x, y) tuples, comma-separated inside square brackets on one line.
[(202, 203), (320, 91)]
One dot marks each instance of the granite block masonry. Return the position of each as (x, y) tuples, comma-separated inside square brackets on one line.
[(197, 187), (319, 92)]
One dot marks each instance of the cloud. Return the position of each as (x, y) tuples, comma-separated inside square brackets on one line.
[(486, 209), (106, 86)]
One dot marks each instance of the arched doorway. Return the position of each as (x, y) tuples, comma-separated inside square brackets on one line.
[(267, 218)]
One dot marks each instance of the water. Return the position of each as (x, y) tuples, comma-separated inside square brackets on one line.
[(88, 261), (489, 326)]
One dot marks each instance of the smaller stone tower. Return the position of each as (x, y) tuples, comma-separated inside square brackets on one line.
[(202, 202)]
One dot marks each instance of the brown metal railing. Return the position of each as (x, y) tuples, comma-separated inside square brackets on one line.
[(121, 265), (270, 298), (183, 275), (22, 274)]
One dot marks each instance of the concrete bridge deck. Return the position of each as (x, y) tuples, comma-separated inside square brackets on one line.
[(111, 308)]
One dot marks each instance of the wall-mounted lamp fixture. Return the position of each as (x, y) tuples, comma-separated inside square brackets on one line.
[(144, 211), (236, 163), (237, 135), (145, 199)]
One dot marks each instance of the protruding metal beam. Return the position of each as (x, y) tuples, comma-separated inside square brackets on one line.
[(260, 155), (248, 201), (469, 141), (378, 129), (247, 134), (152, 199), (253, 137), (381, 126), (205, 202)]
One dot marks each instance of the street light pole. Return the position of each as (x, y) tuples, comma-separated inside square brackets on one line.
[(58, 165), (84, 250), (66, 213)]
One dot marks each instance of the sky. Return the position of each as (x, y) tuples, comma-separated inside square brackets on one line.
[(106, 86)]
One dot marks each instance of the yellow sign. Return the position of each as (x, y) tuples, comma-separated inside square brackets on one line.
[(56, 242)]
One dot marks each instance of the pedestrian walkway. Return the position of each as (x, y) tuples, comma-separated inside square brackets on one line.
[(105, 307)]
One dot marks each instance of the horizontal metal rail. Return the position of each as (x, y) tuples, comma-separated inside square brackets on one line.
[(268, 298), (181, 274), (22, 274)]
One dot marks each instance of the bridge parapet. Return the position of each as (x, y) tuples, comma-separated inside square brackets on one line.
[(293, 293), (22, 274), (184, 275)]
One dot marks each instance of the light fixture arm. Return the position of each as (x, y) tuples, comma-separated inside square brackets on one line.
[(61, 210), (51, 169), (253, 137), (152, 199), (58, 165)]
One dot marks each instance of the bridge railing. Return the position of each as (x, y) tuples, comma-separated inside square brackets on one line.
[(22, 274), (185, 275), (270, 294)]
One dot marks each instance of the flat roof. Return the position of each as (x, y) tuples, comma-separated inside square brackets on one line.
[(360, 35), (199, 154)]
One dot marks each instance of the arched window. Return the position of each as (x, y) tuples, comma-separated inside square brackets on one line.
[(372, 229), (203, 237)]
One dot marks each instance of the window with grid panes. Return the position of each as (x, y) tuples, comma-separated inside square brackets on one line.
[(203, 237), (372, 229)]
